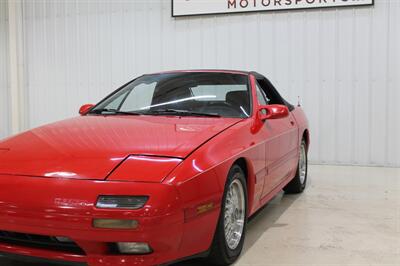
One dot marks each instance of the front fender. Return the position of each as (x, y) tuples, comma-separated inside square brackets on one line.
[(200, 181)]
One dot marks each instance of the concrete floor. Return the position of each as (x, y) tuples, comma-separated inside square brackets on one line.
[(347, 216)]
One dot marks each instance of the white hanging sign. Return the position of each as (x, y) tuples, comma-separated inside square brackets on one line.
[(207, 7)]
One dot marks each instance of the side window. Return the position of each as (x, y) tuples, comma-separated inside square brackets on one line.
[(269, 91), (140, 96), (261, 97)]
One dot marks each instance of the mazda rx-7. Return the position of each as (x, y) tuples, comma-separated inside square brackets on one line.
[(170, 166)]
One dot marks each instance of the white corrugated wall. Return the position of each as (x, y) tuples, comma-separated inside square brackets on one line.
[(343, 63), (4, 77)]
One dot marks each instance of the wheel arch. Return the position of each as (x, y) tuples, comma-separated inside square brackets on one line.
[(306, 137), (247, 168)]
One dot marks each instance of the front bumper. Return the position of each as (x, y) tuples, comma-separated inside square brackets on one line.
[(61, 207)]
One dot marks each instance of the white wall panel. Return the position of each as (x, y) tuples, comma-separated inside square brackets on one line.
[(4, 65), (343, 63)]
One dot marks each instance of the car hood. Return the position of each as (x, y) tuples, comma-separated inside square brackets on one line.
[(91, 147)]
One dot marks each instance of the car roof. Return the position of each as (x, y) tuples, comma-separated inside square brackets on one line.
[(229, 71)]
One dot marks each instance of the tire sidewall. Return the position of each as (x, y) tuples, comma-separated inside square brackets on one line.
[(235, 173), (303, 186)]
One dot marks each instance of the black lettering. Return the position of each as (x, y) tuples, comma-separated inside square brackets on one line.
[(231, 3), (278, 2), (266, 2), (244, 3)]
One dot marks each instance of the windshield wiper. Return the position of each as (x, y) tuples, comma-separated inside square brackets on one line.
[(113, 112), (180, 113)]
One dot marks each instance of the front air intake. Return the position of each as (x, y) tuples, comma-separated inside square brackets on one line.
[(39, 242)]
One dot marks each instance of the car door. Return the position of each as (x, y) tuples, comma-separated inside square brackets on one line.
[(281, 140)]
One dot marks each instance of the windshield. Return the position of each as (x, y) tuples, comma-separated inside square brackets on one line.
[(186, 93)]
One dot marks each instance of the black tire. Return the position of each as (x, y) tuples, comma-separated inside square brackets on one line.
[(296, 185), (220, 253)]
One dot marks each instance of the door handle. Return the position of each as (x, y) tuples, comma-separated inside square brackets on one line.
[(292, 123)]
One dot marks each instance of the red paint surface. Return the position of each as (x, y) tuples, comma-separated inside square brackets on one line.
[(51, 177), (90, 147)]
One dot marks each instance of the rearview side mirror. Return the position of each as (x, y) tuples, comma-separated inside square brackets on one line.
[(85, 108), (272, 111)]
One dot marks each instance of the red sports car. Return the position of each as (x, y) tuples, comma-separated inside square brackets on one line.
[(169, 166)]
